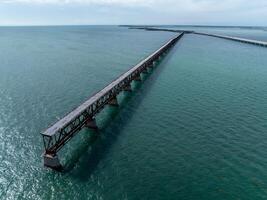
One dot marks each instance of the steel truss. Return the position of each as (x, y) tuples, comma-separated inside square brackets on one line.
[(60, 133)]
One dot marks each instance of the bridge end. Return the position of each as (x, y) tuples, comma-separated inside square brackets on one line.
[(52, 161)]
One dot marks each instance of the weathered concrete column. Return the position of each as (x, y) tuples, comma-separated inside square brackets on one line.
[(127, 88), (145, 71), (52, 161), (150, 65), (138, 78), (91, 123), (113, 102)]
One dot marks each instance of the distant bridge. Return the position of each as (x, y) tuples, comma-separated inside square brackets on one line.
[(237, 39), (56, 136)]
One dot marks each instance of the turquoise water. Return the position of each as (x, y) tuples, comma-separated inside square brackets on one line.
[(195, 129)]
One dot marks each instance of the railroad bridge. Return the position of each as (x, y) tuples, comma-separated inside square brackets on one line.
[(56, 136)]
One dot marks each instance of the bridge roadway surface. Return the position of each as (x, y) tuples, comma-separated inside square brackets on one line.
[(63, 130)]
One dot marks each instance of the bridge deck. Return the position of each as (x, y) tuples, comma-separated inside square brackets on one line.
[(59, 125)]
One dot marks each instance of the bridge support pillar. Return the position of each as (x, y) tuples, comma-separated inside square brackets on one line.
[(113, 102), (138, 78), (128, 88), (52, 161), (145, 71), (91, 123), (150, 65)]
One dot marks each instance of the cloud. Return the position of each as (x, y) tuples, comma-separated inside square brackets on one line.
[(181, 5), (101, 2), (136, 11)]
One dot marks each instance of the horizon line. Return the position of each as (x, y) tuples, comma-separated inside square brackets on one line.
[(190, 25)]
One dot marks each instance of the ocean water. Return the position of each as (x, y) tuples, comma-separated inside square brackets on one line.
[(194, 129)]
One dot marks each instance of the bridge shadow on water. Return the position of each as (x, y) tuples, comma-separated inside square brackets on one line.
[(86, 157), (96, 145)]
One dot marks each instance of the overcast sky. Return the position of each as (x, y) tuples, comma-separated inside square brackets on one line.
[(196, 12)]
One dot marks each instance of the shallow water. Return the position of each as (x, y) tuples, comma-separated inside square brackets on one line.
[(195, 129)]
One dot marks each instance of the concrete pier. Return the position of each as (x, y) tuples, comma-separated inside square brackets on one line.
[(137, 78), (127, 88), (113, 102), (52, 161), (91, 123), (145, 71)]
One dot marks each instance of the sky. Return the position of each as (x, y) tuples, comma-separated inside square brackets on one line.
[(135, 12)]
